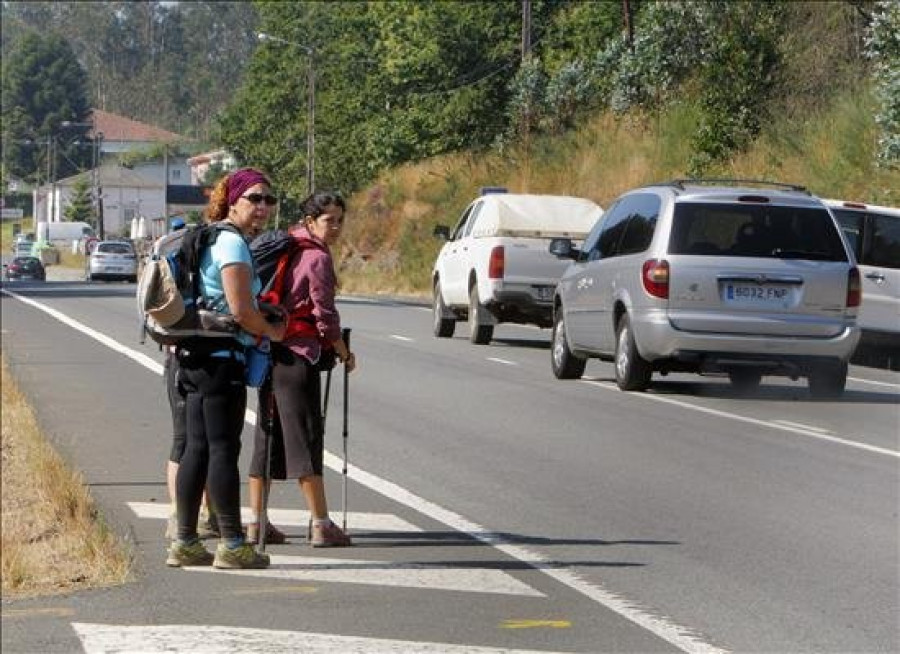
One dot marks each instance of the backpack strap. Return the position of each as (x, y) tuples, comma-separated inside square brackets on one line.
[(301, 322), (192, 248)]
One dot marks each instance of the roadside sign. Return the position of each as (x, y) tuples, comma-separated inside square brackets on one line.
[(14, 213)]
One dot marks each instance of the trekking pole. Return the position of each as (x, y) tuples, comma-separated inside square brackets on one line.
[(268, 426), (346, 336), (327, 393)]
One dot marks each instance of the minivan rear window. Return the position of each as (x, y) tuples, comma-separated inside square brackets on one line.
[(758, 230)]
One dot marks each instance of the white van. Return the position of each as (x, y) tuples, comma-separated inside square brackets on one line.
[(64, 232), (874, 235)]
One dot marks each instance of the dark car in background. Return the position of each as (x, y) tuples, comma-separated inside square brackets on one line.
[(26, 268)]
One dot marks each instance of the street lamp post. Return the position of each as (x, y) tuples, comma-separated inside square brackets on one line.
[(310, 105), (97, 140)]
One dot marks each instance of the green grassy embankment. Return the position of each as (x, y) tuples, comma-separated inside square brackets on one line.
[(389, 248)]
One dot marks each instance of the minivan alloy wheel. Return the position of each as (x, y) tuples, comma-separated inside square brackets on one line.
[(632, 371), (565, 365)]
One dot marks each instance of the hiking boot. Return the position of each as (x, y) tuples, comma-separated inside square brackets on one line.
[(329, 535), (241, 557), (172, 527), (207, 526), (274, 536), (182, 554)]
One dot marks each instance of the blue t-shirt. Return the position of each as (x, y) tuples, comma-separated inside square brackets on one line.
[(229, 249)]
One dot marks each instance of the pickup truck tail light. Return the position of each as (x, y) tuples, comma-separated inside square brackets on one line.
[(854, 288), (655, 276), (497, 263)]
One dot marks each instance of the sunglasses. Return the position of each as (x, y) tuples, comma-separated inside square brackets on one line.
[(256, 198)]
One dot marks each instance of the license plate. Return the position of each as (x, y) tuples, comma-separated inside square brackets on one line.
[(544, 293), (756, 294)]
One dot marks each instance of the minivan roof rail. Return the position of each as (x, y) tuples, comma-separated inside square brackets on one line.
[(680, 183)]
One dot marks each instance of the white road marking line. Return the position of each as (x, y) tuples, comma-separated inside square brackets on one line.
[(401, 338), (140, 357), (164, 639), (291, 517), (661, 627), (800, 425), (873, 381), (503, 361), (682, 637), (753, 421), (397, 574)]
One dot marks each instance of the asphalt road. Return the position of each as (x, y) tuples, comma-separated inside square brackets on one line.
[(494, 508)]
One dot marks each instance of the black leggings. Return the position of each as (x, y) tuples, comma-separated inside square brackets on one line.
[(178, 407), (216, 402)]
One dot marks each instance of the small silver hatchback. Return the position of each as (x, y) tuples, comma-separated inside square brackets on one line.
[(112, 260), (710, 276)]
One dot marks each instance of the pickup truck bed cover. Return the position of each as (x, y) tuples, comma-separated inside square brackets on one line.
[(537, 216)]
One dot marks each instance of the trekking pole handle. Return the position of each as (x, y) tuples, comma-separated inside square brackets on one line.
[(345, 336)]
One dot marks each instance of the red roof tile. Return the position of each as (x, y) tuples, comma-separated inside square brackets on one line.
[(120, 128)]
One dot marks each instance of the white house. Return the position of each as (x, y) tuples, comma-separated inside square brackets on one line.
[(201, 163), (144, 189)]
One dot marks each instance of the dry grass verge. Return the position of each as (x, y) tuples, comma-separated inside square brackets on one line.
[(53, 538)]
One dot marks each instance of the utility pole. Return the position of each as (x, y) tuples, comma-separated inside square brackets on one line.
[(628, 18), (98, 139), (49, 177), (526, 29), (311, 125), (166, 185)]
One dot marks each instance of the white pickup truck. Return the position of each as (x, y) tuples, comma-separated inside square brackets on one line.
[(495, 266)]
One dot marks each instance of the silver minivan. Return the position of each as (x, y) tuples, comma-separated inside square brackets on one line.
[(721, 276), (874, 236)]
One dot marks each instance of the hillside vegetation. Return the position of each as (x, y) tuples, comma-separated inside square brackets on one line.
[(389, 247)]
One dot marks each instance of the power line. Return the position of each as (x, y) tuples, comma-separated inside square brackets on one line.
[(513, 59)]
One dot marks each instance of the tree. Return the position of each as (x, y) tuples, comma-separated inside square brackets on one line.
[(81, 205), (43, 85), (884, 48)]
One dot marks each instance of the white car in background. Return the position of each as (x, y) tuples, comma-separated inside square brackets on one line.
[(874, 236), (23, 248), (113, 260)]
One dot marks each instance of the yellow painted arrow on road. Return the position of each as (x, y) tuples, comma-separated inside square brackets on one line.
[(532, 624)]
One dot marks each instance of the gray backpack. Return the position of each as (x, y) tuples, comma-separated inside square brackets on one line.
[(170, 305)]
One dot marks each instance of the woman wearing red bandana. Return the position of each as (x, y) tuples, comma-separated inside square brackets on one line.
[(212, 376)]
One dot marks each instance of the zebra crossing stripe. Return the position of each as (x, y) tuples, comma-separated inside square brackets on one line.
[(381, 573), (198, 639), (385, 522), (398, 574)]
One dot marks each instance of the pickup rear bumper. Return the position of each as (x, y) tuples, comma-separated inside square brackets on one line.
[(523, 306)]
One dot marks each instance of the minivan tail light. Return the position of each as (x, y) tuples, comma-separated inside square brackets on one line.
[(496, 263), (655, 275), (854, 288)]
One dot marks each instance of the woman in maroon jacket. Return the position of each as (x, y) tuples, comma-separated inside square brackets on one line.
[(313, 335)]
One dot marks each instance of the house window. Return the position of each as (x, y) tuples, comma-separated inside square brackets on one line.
[(128, 214), (176, 174)]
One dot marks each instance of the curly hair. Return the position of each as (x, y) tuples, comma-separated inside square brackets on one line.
[(217, 209)]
